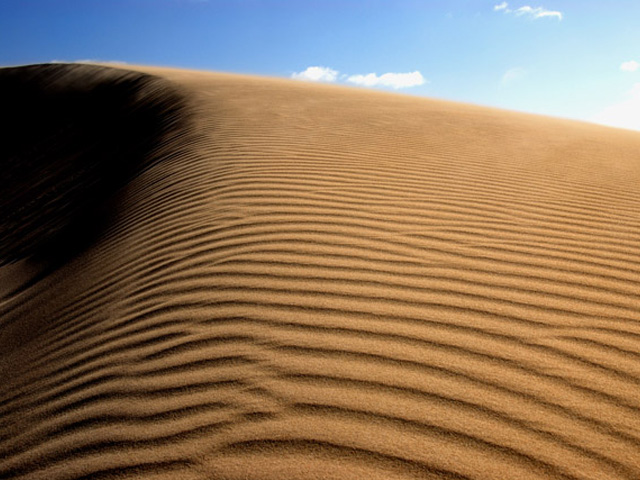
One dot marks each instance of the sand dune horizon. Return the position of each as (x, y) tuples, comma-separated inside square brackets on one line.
[(219, 276)]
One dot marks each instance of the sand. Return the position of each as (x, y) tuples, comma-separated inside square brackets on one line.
[(288, 280)]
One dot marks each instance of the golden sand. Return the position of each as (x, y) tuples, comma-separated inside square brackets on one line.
[(316, 282)]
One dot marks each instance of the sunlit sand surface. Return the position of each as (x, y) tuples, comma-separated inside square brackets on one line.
[(228, 277)]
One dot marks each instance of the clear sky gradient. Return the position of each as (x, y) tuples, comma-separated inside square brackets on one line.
[(574, 59)]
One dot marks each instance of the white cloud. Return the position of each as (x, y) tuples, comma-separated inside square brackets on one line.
[(512, 75), (538, 12), (630, 66), (625, 114), (393, 80), (317, 74), (533, 12)]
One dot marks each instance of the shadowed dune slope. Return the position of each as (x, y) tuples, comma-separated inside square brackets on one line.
[(73, 135), (314, 282)]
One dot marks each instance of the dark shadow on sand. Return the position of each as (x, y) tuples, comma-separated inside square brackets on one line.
[(74, 135)]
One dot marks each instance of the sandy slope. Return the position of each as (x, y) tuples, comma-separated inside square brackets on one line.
[(317, 282)]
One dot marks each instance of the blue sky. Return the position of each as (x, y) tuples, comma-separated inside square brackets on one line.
[(574, 59)]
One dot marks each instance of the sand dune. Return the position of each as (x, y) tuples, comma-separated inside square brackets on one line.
[(212, 276)]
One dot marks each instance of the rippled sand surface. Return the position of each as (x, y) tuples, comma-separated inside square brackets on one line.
[(212, 276)]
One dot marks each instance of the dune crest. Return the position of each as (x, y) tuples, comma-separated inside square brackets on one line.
[(296, 281)]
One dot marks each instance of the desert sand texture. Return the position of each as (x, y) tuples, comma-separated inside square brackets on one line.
[(214, 276)]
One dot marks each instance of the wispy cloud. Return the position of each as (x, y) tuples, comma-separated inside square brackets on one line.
[(317, 74), (532, 12), (625, 114), (390, 79), (512, 75), (630, 66), (393, 80)]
